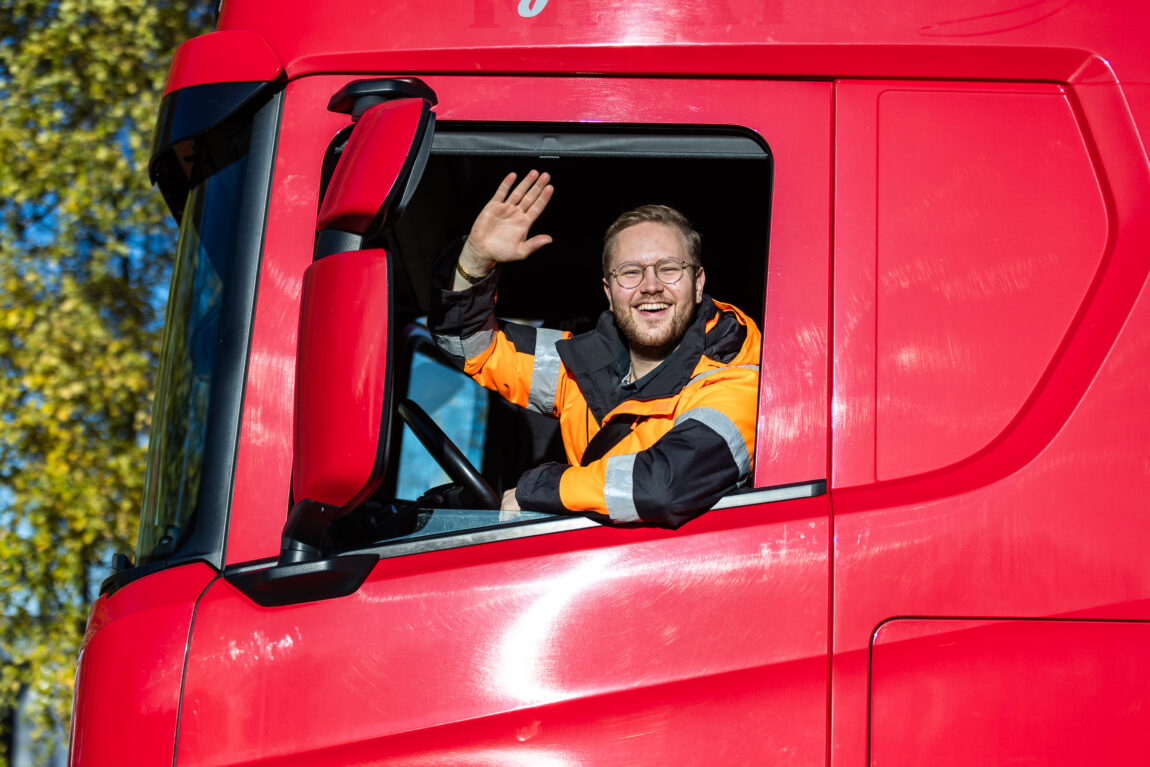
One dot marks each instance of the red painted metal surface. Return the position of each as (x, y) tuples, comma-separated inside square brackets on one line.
[(970, 227), (974, 40), (1119, 160), (1045, 520), (980, 267), (705, 645), (263, 458), (377, 150), (1009, 692), (222, 57), (131, 668), (341, 375)]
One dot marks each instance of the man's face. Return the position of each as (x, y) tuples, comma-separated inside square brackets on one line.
[(653, 316)]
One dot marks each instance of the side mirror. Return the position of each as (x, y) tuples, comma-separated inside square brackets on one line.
[(343, 375), (341, 393), (343, 378), (342, 370)]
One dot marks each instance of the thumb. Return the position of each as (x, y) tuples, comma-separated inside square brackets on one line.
[(535, 243)]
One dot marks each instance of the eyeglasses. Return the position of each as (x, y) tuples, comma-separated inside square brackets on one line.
[(668, 270)]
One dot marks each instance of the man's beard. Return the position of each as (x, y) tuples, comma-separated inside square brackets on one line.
[(656, 344)]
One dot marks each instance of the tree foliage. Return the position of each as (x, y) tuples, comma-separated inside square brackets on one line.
[(85, 251)]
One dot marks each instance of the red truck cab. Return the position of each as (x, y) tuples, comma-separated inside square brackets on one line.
[(937, 214)]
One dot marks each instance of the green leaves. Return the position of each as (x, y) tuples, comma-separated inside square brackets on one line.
[(85, 253)]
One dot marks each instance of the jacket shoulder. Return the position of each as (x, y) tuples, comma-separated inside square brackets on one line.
[(732, 337)]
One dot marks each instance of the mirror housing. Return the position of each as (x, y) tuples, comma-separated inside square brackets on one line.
[(342, 382), (381, 164)]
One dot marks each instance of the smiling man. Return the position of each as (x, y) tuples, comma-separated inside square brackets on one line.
[(656, 405)]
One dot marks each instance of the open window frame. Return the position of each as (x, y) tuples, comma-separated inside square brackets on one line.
[(720, 177)]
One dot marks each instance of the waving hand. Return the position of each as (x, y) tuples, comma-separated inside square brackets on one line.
[(499, 234)]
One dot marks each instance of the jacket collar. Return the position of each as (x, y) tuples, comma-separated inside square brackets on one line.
[(599, 359)]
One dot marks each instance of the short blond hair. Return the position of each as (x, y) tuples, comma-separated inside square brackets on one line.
[(659, 214)]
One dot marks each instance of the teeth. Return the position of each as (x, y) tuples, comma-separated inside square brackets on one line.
[(652, 307)]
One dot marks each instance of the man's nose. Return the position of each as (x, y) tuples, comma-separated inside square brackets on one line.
[(651, 282)]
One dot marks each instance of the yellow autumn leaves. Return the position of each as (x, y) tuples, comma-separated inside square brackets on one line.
[(85, 251)]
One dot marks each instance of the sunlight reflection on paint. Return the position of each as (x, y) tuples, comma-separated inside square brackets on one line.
[(505, 757), (521, 658)]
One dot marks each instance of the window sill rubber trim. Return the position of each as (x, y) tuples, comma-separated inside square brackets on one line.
[(560, 524)]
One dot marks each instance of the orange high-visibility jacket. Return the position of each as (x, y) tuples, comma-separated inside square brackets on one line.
[(685, 431)]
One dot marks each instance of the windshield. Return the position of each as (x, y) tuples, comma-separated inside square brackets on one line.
[(192, 346)]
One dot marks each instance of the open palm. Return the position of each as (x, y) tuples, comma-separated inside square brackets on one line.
[(499, 234)]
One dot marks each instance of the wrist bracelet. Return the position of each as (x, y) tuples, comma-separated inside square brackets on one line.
[(467, 275)]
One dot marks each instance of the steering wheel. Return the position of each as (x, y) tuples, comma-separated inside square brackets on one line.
[(443, 450)]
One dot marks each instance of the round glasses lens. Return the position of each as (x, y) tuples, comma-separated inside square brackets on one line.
[(669, 272), (629, 276)]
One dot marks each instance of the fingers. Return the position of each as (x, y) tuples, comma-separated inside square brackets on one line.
[(526, 186), (504, 187), (499, 232), (539, 201), (533, 186), (509, 508)]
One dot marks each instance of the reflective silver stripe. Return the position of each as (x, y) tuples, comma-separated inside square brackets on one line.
[(472, 346), (545, 372), (617, 488), (701, 376), (718, 422)]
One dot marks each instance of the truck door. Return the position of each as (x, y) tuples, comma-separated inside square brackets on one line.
[(545, 640)]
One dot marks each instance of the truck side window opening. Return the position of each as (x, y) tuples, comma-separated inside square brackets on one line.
[(720, 178)]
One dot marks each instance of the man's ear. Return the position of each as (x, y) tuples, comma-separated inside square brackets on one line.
[(700, 278), (607, 290)]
